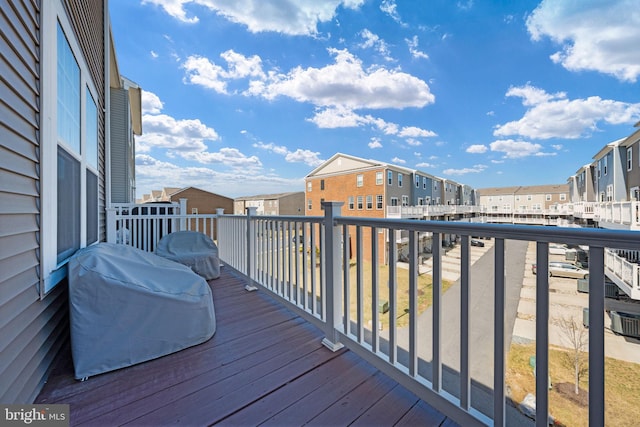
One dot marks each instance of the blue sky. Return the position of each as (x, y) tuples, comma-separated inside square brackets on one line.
[(246, 97)]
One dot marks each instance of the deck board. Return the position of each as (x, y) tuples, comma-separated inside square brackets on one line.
[(264, 366)]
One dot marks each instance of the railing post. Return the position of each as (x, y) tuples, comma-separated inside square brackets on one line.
[(251, 241), (219, 213), (332, 268), (111, 225), (183, 214)]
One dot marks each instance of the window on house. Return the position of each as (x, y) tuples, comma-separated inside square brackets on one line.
[(599, 167), (424, 183), (360, 203), (322, 184), (629, 158), (351, 205), (378, 178), (547, 197), (529, 197), (563, 197), (309, 204), (394, 201), (609, 192), (389, 177), (359, 180), (369, 202), (379, 202), (604, 169), (399, 180), (309, 186), (427, 200), (417, 181), (405, 200)]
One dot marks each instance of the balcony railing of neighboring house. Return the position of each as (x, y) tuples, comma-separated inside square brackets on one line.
[(306, 262), (618, 213), (623, 268)]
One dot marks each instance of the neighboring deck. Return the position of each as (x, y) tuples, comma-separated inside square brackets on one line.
[(264, 365)]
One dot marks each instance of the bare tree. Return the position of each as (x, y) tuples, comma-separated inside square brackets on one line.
[(578, 338)]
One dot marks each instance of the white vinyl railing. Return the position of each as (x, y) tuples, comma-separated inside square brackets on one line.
[(143, 225), (317, 265)]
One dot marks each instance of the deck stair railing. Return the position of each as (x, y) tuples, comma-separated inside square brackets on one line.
[(318, 267)]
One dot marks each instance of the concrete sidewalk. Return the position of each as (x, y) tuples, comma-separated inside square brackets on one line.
[(565, 301)]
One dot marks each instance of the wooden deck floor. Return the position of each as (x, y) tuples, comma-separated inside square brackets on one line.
[(264, 366)]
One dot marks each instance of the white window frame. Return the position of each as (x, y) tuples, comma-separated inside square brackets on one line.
[(359, 180), (309, 186), (379, 179), (53, 12), (369, 202), (351, 203), (360, 203), (309, 204), (629, 158), (417, 181), (389, 177), (547, 197), (379, 202), (399, 179), (563, 197), (405, 200)]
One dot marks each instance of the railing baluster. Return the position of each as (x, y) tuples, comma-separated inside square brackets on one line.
[(359, 284), (346, 303), (498, 336), (393, 350), (437, 316), (596, 336), (312, 301), (465, 381), (413, 304), (374, 291), (542, 333)]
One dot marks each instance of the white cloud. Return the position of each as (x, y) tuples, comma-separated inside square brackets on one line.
[(347, 84), (602, 36), (465, 171), (163, 131), (557, 147), (228, 156), (415, 132), (341, 117), (425, 165), (390, 8), (556, 116), (477, 149), (516, 149), (413, 48), (151, 103), (201, 71), (153, 54), (373, 41), (374, 143), (465, 5), (294, 17), (413, 142), (153, 174), (398, 161), (307, 157)]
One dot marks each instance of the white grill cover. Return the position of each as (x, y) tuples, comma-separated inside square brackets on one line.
[(128, 306)]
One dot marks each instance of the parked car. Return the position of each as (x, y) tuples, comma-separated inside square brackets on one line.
[(478, 243), (557, 249), (564, 269)]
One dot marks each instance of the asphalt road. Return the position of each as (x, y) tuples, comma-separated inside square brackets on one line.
[(481, 328)]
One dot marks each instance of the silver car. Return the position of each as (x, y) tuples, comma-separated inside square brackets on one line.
[(565, 269)]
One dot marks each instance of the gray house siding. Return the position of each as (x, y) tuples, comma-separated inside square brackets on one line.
[(32, 330), (119, 146)]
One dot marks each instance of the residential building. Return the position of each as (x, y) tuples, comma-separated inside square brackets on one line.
[(126, 121), (201, 201), (536, 204), (611, 172), (291, 203), (59, 66), (631, 147)]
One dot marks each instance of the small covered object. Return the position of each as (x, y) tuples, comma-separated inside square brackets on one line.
[(193, 249), (128, 306)]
